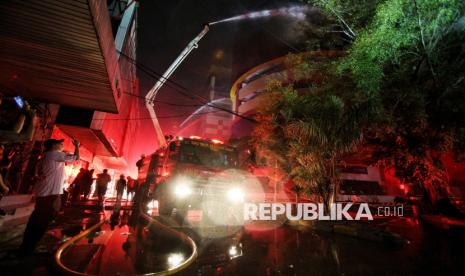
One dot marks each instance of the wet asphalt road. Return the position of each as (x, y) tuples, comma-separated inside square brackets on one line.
[(253, 250), (275, 250)]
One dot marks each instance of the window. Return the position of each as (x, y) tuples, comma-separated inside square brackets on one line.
[(208, 155)]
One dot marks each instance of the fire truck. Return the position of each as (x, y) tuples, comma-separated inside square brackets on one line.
[(197, 177)]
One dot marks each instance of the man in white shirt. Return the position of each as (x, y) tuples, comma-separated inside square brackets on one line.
[(48, 190)]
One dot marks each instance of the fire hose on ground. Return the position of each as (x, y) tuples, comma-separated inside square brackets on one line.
[(179, 267)]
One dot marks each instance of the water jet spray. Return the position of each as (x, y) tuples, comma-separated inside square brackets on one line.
[(294, 11)]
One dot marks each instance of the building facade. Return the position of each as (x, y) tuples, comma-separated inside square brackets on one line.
[(360, 180), (75, 63), (209, 122)]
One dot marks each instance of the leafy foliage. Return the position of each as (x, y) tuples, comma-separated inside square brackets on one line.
[(309, 131), (403, 33), (400, 88), (352, 15)]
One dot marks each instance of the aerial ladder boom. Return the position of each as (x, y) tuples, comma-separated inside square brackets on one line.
[(150, 97)]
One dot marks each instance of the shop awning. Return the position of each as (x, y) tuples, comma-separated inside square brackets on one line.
[(90, 139)]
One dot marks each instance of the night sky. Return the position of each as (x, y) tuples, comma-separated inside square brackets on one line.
[(227, 51)]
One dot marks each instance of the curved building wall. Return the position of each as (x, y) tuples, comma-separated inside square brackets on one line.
[(209, 122), (246, 90), (245, 95)]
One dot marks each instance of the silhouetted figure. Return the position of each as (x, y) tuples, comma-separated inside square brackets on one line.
[(140, 162), (130, 187), (87, 181), (77, 185), (102, 183), (120, 187)]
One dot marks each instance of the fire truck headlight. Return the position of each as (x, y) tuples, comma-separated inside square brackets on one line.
[(235, 251), (236, 195), (182, 191)]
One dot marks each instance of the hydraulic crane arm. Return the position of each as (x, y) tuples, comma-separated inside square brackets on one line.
[(150, 97)]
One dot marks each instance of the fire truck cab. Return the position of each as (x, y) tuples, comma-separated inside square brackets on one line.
[(198, 175)]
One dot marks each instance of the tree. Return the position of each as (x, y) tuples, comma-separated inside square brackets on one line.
[(308, 131), (410, 55), (403, 68), (352, 16), (403, 35)]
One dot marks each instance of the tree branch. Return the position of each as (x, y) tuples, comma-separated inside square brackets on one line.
[(422, 36), (352, 34)]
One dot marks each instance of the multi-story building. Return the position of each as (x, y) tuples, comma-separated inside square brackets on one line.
[(109, 136), (75, 62), (209, 122), (360, 180)]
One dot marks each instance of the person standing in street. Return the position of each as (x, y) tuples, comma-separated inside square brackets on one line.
[(48, 191), (102, 183), (77, 185), (87, 183), (120, 187), (130, 187)]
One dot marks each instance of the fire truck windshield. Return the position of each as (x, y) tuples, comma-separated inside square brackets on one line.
[(207, 154)]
